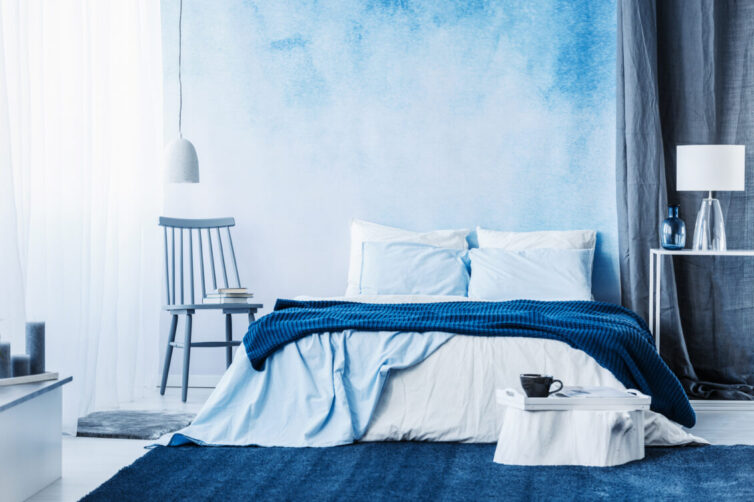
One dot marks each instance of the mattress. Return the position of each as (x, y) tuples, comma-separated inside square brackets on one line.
[(334, 388), (450, 396)]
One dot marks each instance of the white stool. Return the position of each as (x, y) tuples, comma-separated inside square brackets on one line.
[(602, 429)]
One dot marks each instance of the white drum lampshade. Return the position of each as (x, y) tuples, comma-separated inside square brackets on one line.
[(181, 162), (710, 168)]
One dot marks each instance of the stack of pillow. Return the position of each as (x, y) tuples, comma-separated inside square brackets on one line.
[(551, 265)]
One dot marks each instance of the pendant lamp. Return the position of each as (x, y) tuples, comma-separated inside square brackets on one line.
[(181, 162)]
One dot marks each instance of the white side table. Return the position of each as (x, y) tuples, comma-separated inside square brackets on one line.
[(656, 256), (655, 279), (594, 431), (30, 437)]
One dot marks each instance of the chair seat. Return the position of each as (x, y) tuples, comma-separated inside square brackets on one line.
[(214, 306), (232, 343)]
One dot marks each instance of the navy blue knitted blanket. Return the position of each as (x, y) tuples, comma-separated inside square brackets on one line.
[(615, 337)]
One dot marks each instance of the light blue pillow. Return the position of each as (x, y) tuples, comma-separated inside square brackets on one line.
[(401, 268), (532, 274)]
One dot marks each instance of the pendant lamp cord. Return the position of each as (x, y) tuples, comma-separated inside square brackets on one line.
[(180, 82)]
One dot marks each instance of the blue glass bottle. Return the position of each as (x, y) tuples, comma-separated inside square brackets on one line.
[(673, 230)]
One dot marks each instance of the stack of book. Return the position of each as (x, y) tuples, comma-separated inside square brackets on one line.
[(229, 295)]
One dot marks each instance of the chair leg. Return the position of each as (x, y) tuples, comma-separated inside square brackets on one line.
[(228, 338), (186, 358), (168, 354)]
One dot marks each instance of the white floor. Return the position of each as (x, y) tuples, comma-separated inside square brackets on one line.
[(725, 427), (89, 462)]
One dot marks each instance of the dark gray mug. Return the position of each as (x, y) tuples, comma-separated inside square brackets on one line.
[(536, 385)]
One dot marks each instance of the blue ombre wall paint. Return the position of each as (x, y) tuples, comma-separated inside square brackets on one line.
[(421, 114)]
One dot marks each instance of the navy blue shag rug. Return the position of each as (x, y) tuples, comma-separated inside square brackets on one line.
[(423, 471)]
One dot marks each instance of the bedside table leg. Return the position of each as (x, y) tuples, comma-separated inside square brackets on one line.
[(658, 295), (651, 318)]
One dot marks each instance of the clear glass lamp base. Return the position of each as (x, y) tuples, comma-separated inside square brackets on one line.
[(709, 231)]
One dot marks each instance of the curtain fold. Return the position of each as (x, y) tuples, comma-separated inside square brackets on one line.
[(12, 304), (686, 76), (81, 129)]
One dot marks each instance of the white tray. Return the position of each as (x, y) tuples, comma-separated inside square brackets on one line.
[(39, 377), (590, 398)]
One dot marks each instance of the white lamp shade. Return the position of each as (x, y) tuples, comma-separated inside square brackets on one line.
[(704, 168), (181, 162)]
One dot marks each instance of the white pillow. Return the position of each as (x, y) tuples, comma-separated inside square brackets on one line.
[(533, 274), (518, 241), (404, 268), (364, 231)]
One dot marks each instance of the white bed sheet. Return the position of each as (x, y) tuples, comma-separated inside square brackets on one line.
[(450, 396)]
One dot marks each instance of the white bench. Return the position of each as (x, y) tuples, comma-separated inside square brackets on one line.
[(602, 430), (30, 437)]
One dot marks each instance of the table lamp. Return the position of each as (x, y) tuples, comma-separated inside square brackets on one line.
[(710, 168)]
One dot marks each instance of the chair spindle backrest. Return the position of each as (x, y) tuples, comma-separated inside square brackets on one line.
[(185, 229)]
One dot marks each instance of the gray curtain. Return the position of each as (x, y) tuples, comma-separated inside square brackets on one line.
[(685, 72)]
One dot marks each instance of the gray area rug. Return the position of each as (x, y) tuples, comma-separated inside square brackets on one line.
[(132, 424)]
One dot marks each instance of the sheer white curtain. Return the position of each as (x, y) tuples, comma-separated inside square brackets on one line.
[(81, 189)]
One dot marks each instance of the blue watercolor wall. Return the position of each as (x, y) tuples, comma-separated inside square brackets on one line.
[(421, 114)]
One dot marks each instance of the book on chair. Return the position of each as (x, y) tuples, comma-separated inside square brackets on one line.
[(228, 295), (232, 291)]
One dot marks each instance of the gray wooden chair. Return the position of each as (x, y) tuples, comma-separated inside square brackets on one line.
[(183, 237)]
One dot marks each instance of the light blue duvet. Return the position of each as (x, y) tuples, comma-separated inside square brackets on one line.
[(318, 391)]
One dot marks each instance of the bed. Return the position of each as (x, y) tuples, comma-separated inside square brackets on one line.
[(378, 366), (333, 388)]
